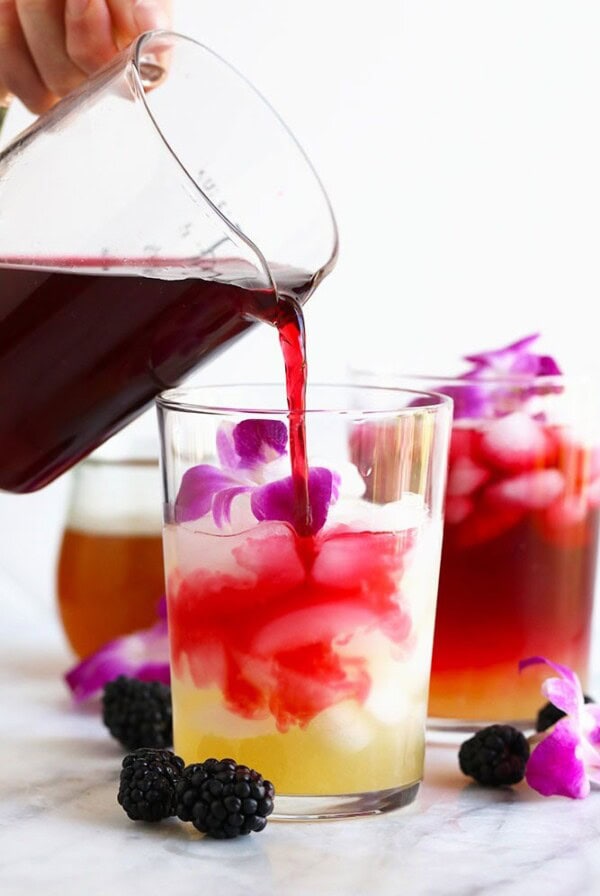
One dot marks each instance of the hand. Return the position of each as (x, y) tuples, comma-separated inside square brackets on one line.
[(48, 47)]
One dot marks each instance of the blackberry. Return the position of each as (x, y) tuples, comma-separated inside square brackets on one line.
[(223, 799), (138, 713), (494, 756), (549, 714), (147, 784)]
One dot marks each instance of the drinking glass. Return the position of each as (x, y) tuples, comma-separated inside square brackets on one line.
[(110, 574), (305, 657), (520, 544)]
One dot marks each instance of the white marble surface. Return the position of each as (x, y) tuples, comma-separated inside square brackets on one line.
[(62, 832)]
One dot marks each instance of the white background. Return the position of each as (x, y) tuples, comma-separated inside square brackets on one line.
[(459, 141)]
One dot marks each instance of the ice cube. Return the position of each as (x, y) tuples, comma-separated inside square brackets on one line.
[(265, 554), (398, 689), (593, 493), (351, 483), (458, 509), (357, 560), (269, 551), (515, 442), (564, 522), (345, 727), (485, 523), (198, 551), (465, 477), (571, 510), (388, 701), (319, 622), (533, 491), (463, 441), (215, 720), (365, 516)]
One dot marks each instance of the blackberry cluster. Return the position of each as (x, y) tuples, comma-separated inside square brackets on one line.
[(550, 714), (138, 713), (147, 784), (495, 756), (223, 799)]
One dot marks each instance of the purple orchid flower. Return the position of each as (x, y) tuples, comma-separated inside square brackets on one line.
[(512, 360), (143, 654), (277, 500), (485, 395), (247, 452), (568, 758), (243, 449)]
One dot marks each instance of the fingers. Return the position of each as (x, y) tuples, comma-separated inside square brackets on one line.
[(132, 17), (18, 72), (47, 47), (152, 15), (96, 29), (89, 34), (42, 22)]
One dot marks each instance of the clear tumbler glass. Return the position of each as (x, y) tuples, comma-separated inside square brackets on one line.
[(520, 547), (306, 657)]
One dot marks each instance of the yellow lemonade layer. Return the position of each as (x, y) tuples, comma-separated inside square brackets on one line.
[(345, 749)]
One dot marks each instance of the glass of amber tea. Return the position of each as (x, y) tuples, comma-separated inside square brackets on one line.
[(110, 568)]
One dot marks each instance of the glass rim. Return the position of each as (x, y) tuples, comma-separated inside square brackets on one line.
[(178, 399), (118, 460), (513, 379)]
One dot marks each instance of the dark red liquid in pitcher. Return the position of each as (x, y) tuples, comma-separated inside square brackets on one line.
[(82, 353)]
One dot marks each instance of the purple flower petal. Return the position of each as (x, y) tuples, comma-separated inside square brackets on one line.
[(222, 501), (277, 500), (556, 765), (469, 401), (243, 450), (198, 487), (489, 395), (526, 365), (225, 446), (143, 655), (513, 359), (592, 723), (591, 742), (567, 759), (259, 441), (565, 692), (501, 360), (564, 695), (563, 671), (547, 366), (593, 775)]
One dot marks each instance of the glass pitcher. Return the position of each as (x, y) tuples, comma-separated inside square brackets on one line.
[(145, 222)]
